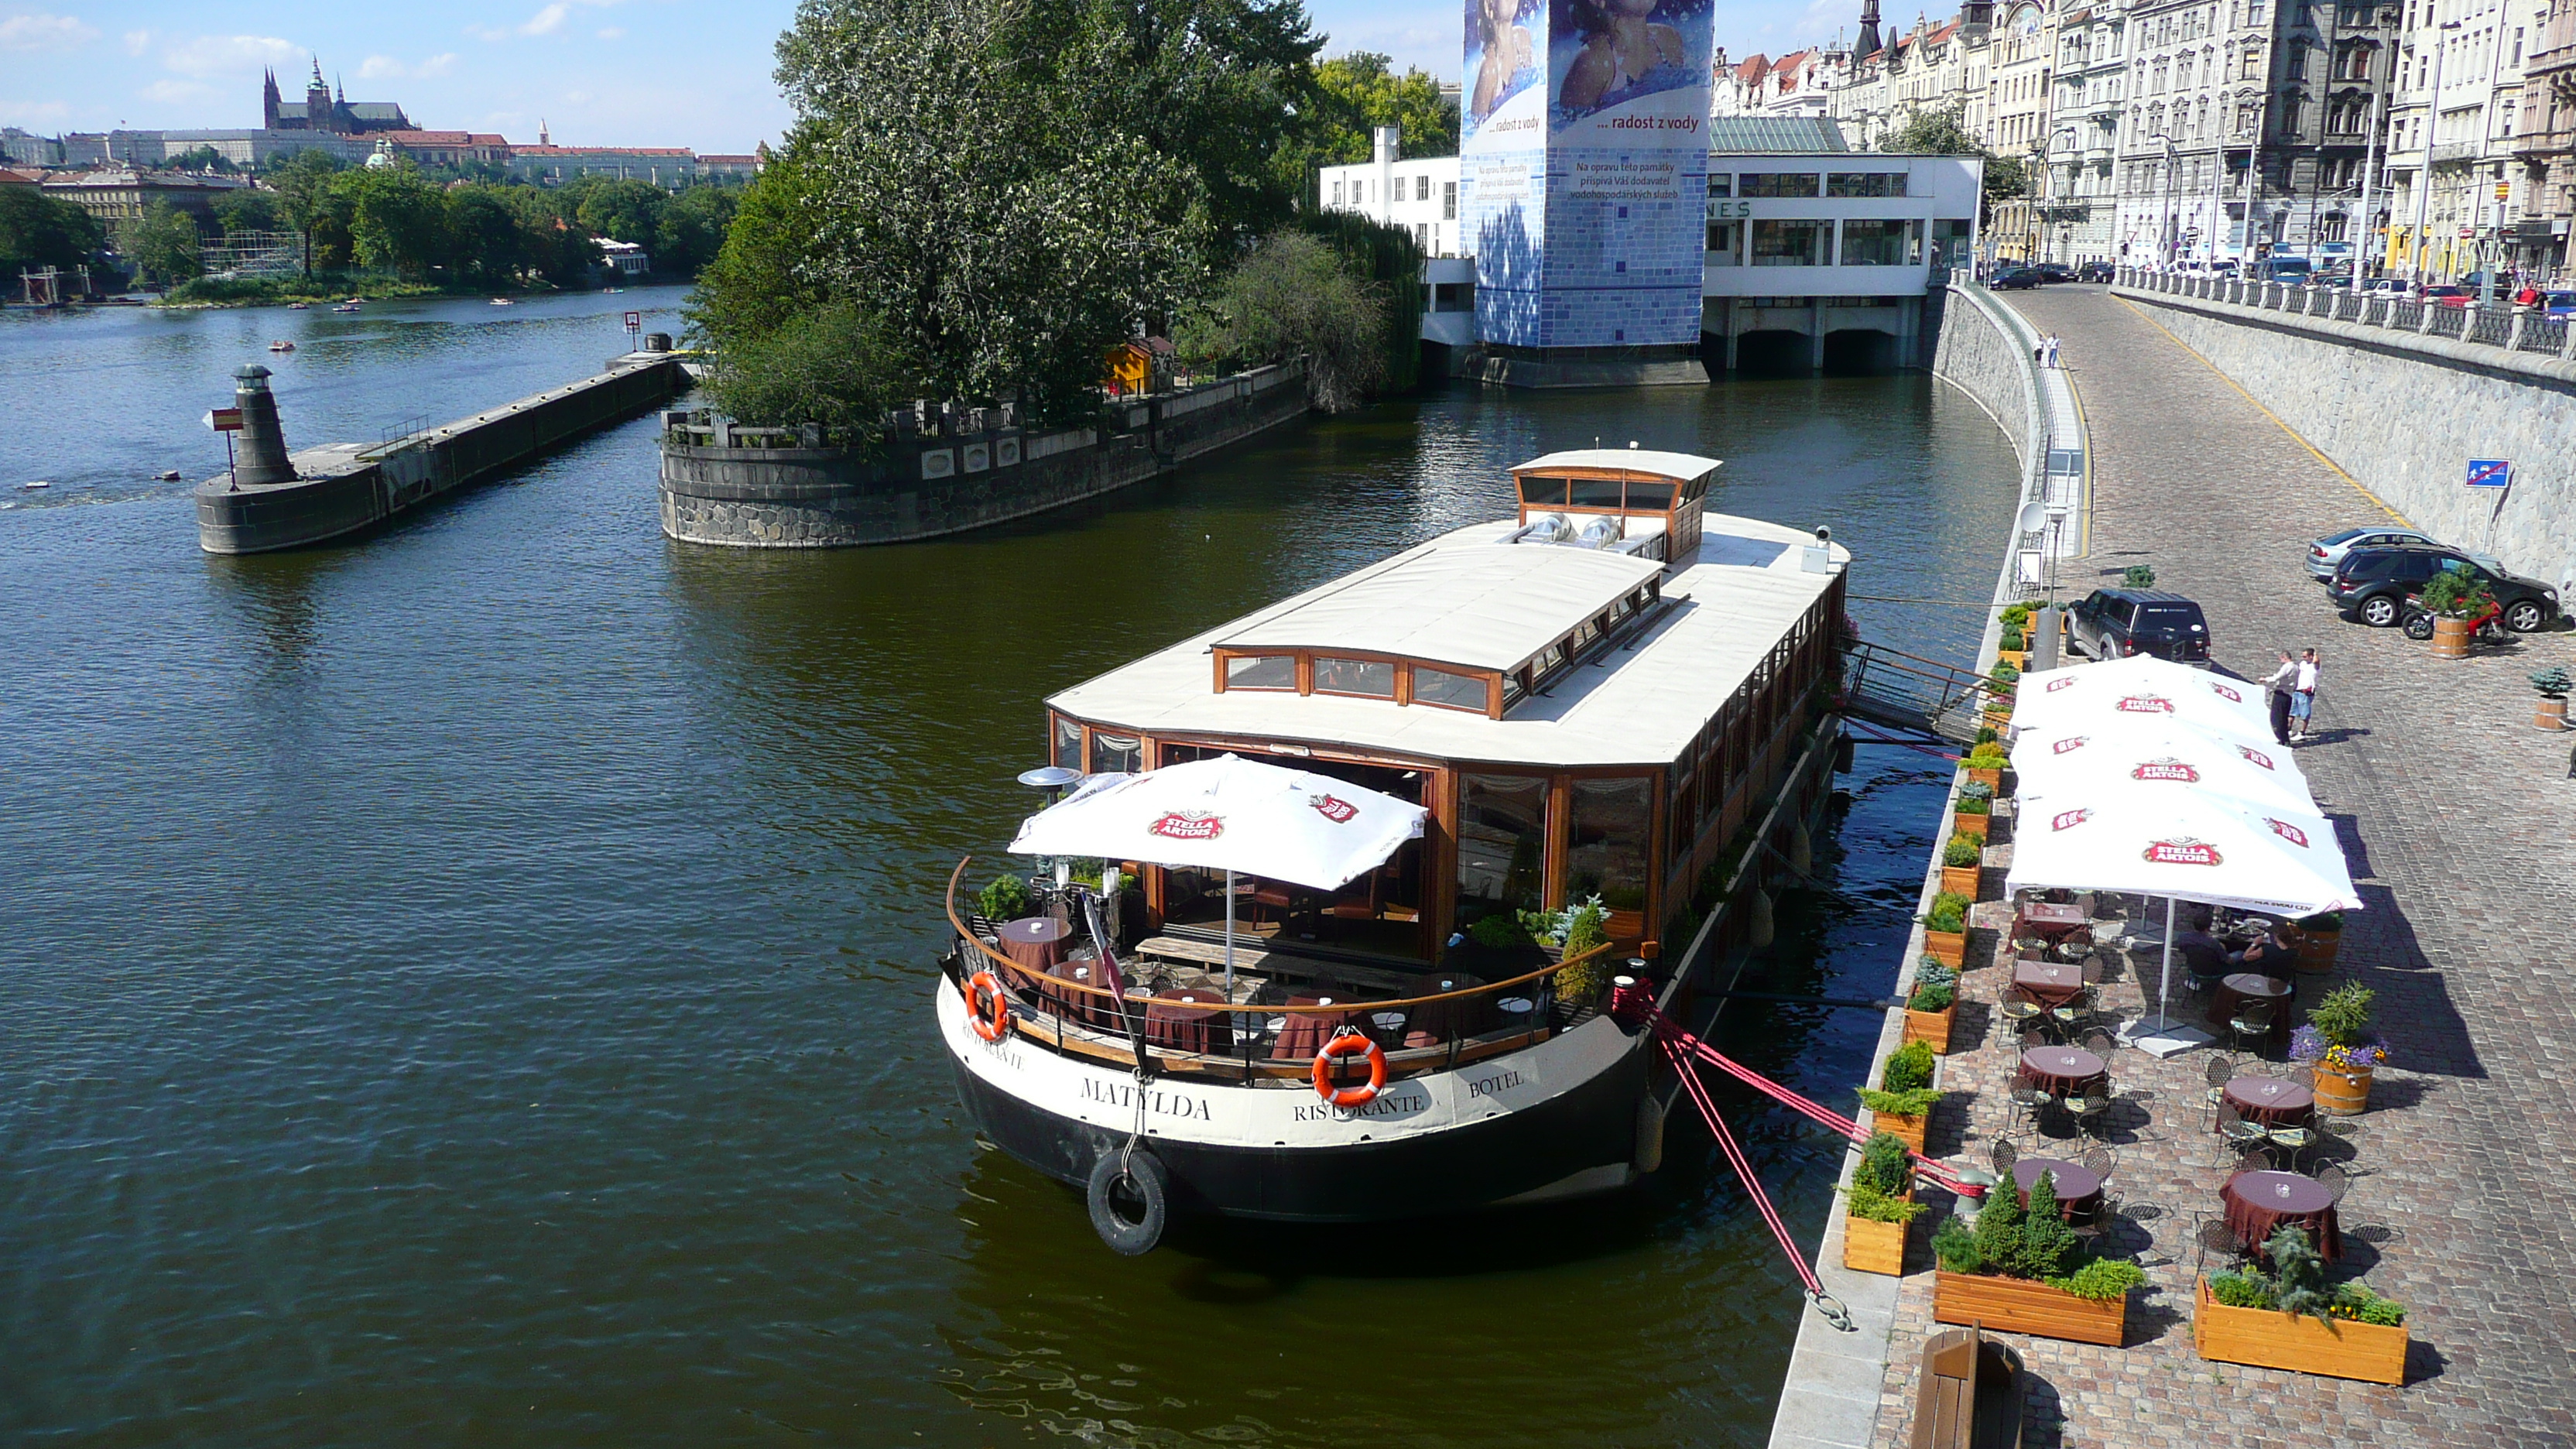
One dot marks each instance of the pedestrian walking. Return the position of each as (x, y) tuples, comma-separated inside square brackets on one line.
[(2051, 345), (2303, 696), (2279, 682)]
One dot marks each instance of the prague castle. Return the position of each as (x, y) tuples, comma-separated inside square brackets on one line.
[(320, 110)]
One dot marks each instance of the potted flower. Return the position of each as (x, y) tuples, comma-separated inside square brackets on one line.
[(1985, 764), (2339, 1041), (1877, 1206), (1962, 861), (1945, 928), (2318, 937), (1973, 812), (1903, 1100), (2014, 645), (1999, 695), (2553, 684), (2023, 1270), (1932, 1004), (2456, 597), (2293, 1319)]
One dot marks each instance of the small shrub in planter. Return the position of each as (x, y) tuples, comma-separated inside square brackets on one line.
[(1962, 850), (1931, 1006), (2294, 1319), (1006, 899), (1969, 814), (2553, 684), (1877, 1206), (2339, 1040), (1905, 1095), (1945, 928), (2026, 1272), (2138, 576)]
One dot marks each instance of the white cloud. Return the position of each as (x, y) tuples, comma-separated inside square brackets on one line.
[(33, 113), (209, 55), (578, 98), (137, 41), (547, 21), (613, 32), (174, 92), (380, 67), (43, 32)]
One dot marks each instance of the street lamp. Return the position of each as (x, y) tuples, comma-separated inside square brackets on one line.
[(2165, 239)]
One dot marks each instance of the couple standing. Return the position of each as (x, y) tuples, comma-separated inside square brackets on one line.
[(2294, 695)]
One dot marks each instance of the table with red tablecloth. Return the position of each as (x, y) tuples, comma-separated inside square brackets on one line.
[(2245, 989), (2078, 1188), (1081, 1006), (1303, 1033), (2259, 1202), (2048, 920), (1187, 1021), (2062, 1071), (1436, 1023), (2272, 1102), (2048, 984)]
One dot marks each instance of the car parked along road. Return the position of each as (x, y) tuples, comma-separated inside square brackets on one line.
[(2371, 584), (2117, 623)]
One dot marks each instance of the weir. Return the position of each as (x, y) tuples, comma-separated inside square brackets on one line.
[(342, 488)]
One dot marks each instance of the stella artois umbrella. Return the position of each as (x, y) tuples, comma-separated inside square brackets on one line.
[(2139, 688), (1228, 814), (2077, 760)]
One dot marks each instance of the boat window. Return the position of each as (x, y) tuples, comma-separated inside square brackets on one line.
[(1697, 490), (1123, 754), (1543, 492), (1502, 843), (1452, 691), (1607, 852), (1596, 493), (1657, 496), (1584, 634), (1068, 743), (1515, 686), (1261, 671), (1374, 678)]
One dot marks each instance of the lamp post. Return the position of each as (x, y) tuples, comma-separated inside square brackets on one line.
[(2165, 239)]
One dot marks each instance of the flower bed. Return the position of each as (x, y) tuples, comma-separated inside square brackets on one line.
[(2024, 1271), (1878, 1204), (1933, 1005), (2269, 1338)]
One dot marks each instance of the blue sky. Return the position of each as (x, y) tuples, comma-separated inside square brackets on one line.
[(599, 72)]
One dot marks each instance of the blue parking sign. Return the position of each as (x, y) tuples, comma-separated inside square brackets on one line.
[(2490, 473)]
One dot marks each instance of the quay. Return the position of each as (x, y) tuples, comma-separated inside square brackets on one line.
[(271, 500), (2216, 443)]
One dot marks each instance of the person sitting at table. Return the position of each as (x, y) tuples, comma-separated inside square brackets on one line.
[(2203, 955), (2271, 954)]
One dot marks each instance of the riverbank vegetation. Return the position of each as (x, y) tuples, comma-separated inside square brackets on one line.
[(995, 196), (39, 231)]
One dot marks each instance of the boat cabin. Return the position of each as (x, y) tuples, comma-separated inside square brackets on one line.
[(1591, 698)]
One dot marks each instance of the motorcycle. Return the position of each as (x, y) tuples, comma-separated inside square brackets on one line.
[(2417, 622)]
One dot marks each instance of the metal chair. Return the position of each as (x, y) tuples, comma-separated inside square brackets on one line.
[(2003, 1155), (2037, 1034), (2078, 1014), (2029, 1102), (2249, 1139), (2292, 1140), (2019, 1014), (2222, 1070), (2099, 1041), (2097, 1161), (2215, 1236), (2092, 1112), (2253, 1022), (2336, 1181)]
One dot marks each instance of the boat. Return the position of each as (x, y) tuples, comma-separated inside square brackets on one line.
[(610, 291), (39, 483), (299, 306), (345, 307), (501, 302), (1591, 701), (166, 475), (281, 345)]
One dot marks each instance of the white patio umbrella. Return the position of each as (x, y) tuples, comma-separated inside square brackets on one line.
[(2077, 759), (1228, 814), (2139, 688)]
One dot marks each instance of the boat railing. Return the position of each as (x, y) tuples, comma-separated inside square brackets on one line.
[(1080, 1019)]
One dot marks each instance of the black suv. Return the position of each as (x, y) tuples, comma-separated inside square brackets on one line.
[(2116, 623), (2014, 279), (2371, 584)]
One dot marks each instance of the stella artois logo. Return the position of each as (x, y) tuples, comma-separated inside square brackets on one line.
[(2167, 769), (1188, 825), (2288, 832), (1336, 810), (2146, 704), (2071, 742), (2069, 819), (2063, 681), (2257, 756), (2226, 693), (2185, 851)]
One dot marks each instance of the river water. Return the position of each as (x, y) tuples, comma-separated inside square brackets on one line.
[(473, 984)]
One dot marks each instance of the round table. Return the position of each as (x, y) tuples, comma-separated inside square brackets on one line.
[(2062, 1071), (1187, 1021), (2259, 1202), (2049, 919), (1034, 943), (2079, 1188), (1080, 1006), (1303, 1033), (2246, 988), (2272, 1102), (2048, 984), (1435, 1023)]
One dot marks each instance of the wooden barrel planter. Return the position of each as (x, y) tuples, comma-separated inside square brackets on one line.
[(2451, 638), (2316, 947), (1870, 1246), (2549, 714), (2343, 1093), (2015, 1305), (2339, 1348)]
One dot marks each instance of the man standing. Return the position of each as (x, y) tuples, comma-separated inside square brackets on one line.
[(2303, 696), (2279, 681)]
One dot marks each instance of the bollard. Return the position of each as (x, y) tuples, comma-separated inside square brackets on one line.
[(260, 452)]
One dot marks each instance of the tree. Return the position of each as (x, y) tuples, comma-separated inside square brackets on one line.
[(759, 280), (1364, 93), (397, 221), (1945, 133), (301, 182), (39, 231), (834, 365), (201, 158), (630, 211), (248, 210), (693, 228), (162, 244), (488, 243), (1296, 294)]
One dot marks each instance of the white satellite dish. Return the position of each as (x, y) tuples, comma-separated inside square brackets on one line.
[(2034, 516)]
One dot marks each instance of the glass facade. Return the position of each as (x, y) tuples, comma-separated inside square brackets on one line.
[(1890, 243), (1790, 243), (1607, 849), (1502, 843), (1865, 183), (1121, 753), (1776, 183)]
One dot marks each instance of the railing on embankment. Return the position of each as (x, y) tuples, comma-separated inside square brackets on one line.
[(2514, 329)]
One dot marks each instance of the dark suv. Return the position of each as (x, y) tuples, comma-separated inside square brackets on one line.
[(2371, 584), (2116, 623)]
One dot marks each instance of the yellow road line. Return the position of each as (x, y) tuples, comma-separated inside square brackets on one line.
[(2376, 501)]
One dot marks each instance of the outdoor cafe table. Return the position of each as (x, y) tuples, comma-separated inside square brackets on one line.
[(1303, 1033), (2049, 984), (2246, 988), (2061, 1071), (1187, 1021), (2048, 919), (2272, 1102), (2259, 1202), (1034, 943), (1080, 1006), (1433, 1023), (2079, 1188)]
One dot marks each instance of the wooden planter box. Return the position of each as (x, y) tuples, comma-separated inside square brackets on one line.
[(1931, 1026), (1950, 948), (1993, 778), (1875, 1247), (1964, 824), (2017, 658), (1960, 878), (2011, 1305), (2269, 1338), (1908, 1130)]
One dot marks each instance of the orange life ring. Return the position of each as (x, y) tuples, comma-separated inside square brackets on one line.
[(1349, 1041), (993, 1022)]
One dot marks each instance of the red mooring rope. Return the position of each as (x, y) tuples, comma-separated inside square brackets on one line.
[(1753, 1186)]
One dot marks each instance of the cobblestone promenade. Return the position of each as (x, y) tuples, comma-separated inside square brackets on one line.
[(2460, 822)]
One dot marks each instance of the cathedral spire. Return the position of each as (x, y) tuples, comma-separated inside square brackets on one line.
[(1866, 42)]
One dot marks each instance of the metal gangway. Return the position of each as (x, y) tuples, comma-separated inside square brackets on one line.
[(1912, 695)]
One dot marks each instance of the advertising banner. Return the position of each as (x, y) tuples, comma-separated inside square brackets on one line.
[(1502, 163)]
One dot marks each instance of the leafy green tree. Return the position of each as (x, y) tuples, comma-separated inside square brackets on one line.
[(1295, 294), (759, 279), (201, 158), (1365, 92), (485, 234), (397, 220), (834, 365), (693, 228), (302, 182), (38, 231), (551, 245), (163, 244), (248, 210), (1945, 132), (629, 211)]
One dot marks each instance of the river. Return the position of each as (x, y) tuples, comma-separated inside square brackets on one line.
[(473, 984)]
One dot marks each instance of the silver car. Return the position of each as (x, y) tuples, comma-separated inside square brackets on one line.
[(2326, 553)]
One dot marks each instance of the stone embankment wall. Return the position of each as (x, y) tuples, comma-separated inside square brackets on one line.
[(923, 487), (2404, 414), (1984, 348)]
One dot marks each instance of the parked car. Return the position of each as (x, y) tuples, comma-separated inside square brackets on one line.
[(2371, 584), (2053, 271), (2390, 287), (2327, 553), (2116, 623), (2447, 296), (2560, 305), (2281, 269), (2095, 272), (2014, 279)]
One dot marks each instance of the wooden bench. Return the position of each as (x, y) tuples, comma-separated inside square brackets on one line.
[(1969, 1396)]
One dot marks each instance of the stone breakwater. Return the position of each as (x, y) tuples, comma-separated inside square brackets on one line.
[(717, 491)]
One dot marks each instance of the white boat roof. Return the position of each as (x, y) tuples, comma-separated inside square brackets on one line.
[(1480, 604), (1684, 466), (1642, 702)]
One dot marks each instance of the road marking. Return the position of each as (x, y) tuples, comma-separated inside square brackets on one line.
[(2376, 500)]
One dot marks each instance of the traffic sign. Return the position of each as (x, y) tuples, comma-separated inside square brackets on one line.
[(2490, 473), (225, 420), (634, 321)]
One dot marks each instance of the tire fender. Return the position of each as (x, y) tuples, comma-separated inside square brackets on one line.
[(1142, 1176)]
